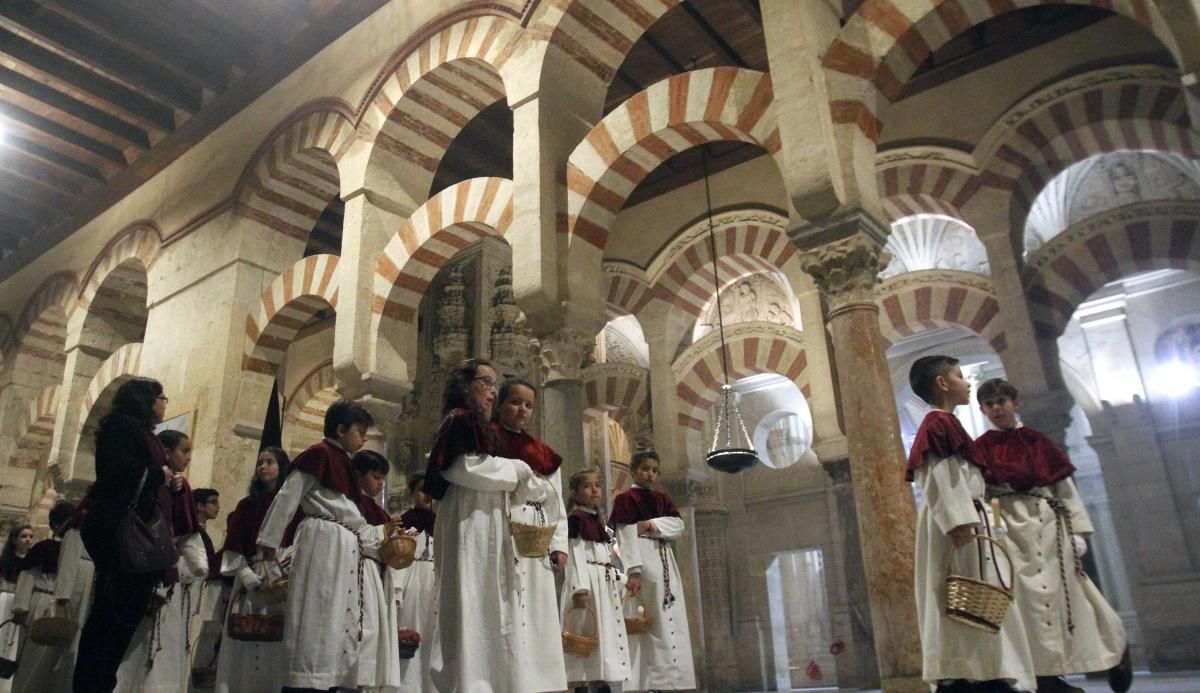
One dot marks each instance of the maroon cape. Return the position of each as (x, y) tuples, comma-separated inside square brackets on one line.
[(637, 504), (371, 511), (519, 445), (44, 555), (1022, 458), (587, 526), (242, 525), (941, 435), (330, 466), (460, 433), (419, 519), (214, 559)]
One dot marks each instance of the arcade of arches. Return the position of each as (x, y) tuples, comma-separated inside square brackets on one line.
[(523, 181)]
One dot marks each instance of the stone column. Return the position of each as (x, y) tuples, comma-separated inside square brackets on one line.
[(563, 353), (710, 612), (843, 257)]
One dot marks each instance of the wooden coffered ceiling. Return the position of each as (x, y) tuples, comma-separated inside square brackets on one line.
[(96, 96)]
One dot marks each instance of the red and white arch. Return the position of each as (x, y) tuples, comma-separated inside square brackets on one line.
[(915, 302), (287, 305)]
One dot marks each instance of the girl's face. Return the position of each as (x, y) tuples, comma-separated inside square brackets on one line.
[(646, 473), (516, 408), (422, 500), (160, 407), (24, 541), (482, 391), (588, 492), (267, 468), (179, 458)]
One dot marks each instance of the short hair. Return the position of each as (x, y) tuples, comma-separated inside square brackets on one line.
[(509, 383), (171, 438), (640, 458), (366, 461), (135, 398), (576, 480), (458, 385), (996, 387), (346, 413), (257, 487), (923, 375), (415, 481), (60, 513), (204, 495)]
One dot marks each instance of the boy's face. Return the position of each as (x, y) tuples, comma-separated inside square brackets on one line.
[(1001, 410), (371, 483), (516, 408), (209, 509), (646, 473), (955, 388), (352, 437)]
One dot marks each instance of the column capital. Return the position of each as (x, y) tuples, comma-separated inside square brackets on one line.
[(846, 263), (1048, 412), (563, 353)]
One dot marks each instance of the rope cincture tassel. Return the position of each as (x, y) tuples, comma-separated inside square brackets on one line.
[(1062, 522)]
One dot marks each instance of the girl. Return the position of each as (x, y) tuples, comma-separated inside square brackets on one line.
[(540, 660), (42, 667), (592, 579), (474, 559), (378, 663), (20, 540), (647, 522), (74, 584), (158, 656), (417, 591), (251, 666)]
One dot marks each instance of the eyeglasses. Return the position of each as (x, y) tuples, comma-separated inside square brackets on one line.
[(487, 380), (164, 398)]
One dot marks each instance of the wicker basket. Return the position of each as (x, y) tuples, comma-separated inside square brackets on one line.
[(253, 627), (56, 628), (410, 642), (533, 541), (398, 550), (636, 625), (274, 592), (578, 644), (976, 603)]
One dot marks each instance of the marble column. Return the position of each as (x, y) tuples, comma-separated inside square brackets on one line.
[(563, 353), (843, 257), (710, 611)]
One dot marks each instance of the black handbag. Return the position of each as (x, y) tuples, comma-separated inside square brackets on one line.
[(145, 546)]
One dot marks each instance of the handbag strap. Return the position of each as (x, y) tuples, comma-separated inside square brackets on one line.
[(141, 484)]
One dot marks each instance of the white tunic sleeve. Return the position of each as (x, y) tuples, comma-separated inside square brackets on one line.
[(25, 590), (559, 541), (283, 508), (627, 541), (666, 528), (193, 559), (1068, 493), (945, 487), (481, 472), (73, 554)]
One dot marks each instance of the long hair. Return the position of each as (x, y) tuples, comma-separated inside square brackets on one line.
[(171, 439), (456, 395), (135, 399), (9, 558), (576, 480), (506, 390), (257, 487)]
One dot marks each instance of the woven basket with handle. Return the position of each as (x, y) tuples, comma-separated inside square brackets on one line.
[(977, 603)]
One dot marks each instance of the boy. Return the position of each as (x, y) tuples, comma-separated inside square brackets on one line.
[(416, 590), (378, 666), (1072, 627), (324, 618), (206, 628), (957, 657), (646, 522)]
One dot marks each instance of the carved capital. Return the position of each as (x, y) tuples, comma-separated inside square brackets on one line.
[(847, 270), (564, 352)]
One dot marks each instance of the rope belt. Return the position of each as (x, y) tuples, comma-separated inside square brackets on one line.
[(1062, 520), (610, 570), (663, 554), (359, 569), (42, 590)]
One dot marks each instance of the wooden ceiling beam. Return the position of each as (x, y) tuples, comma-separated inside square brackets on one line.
[(63, 140), (52, 105), (126, 31), (21, 56), (27, 153), (42, 179), (199, 26), (713, 35), (71, 42), (34, 208)]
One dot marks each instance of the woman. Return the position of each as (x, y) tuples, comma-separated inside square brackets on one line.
[(252, 666), (20, 540), (127, 455)]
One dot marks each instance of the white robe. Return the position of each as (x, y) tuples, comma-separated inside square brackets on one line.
[(158, 658), (482, 642), (245, 666), (41, 667), (11, 634), (605, 588), (321, 632), (660, 658), (541, 661), (214, 600), (74, 584), (416, 592), (953, 650), (1098, 641)]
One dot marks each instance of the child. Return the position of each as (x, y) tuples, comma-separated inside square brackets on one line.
[(477, 638), (592, 579), (73, 588), (540, 662), (951, 482), (378, 664), (1072, 627), (206, 627), (325, 616), (646, 522), (158, 657), (417, 591), (42, 667), (252, 666), (20, 540)]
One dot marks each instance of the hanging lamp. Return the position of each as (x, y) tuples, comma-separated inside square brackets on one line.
[(731, 451)]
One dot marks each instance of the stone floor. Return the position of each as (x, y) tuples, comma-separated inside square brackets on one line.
[(1143, 682)]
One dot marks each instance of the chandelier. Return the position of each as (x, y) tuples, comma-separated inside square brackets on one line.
[(731, 450)]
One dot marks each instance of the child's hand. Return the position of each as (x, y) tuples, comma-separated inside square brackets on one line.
[(962, 534), (558, 561), (634, 584), (645, 527)]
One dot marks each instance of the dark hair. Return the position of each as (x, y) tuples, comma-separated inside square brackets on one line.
[(924, 374), (204, 495), (640, 457), (257, 487), (346, 413), (415, 481), (171, 439), (9, 554), (458, 385), (510, 383), (996, 387), (60, 513), (366, 461), (135, 398), (576, 480)]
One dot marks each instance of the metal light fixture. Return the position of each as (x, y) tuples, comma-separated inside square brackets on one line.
[(731, 450)]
